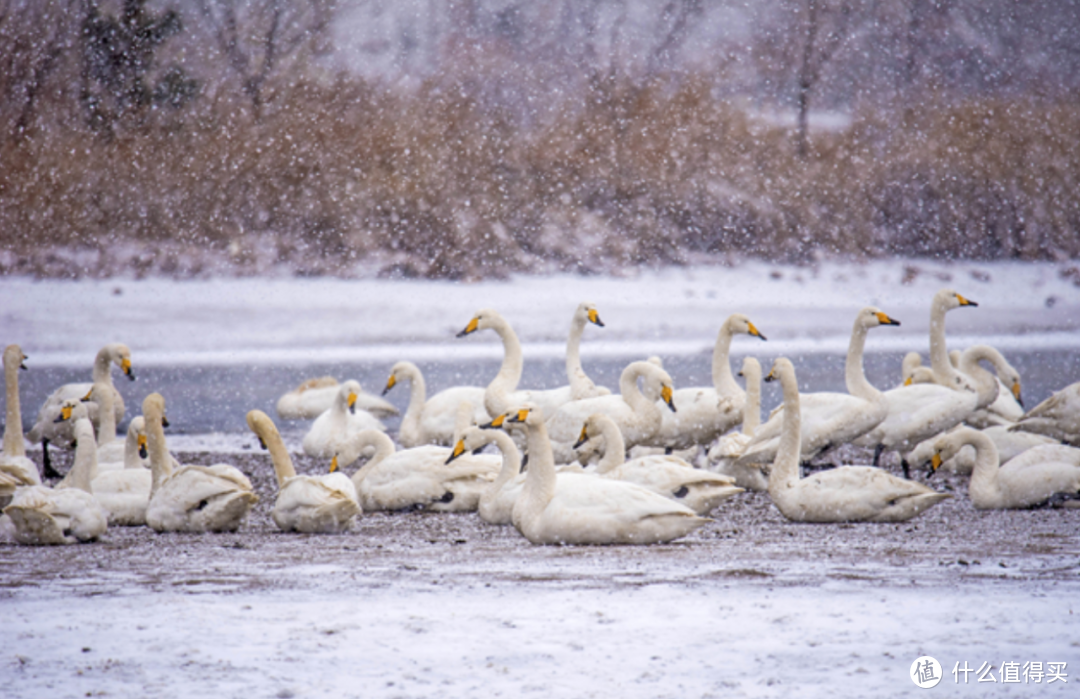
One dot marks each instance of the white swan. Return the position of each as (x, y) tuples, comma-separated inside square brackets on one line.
[(125, 492), (705, 413), (1006, 408), (844, 494), (669, 476), (1029, 479), (830, 419), (46, 430), (314, 397), (431, 421), (1008, 444), (323, 504), (68, 513), (415, 478), (581, 386), (725, 453), (15, 468), (110, 451), (1058, 416), (945, 373), (502, 393), (497, 501), (571, 508), (637, 416), (332, 428), (191, 498)]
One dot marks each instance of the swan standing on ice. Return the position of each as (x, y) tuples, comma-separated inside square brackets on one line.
[(669, 476), (415, 478), (323, 504), (192, 498), (15, 468), (47, 430), (332, 428), (68, 513), (571, 508), (431, 421), (844, 494), (1031, 478), (314, 397)]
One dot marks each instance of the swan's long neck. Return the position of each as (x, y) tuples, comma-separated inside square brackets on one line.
[(854, 374), (539, 485), (614, 447), (984, 475), (785, 468), (574, 373), (160, 469), (506, 381), (131, 447), (723, 380), (13, 435), (384, 447), (646, 412), (944, 372), (511, 458), (279, 455), (85, 469), (986, 386), (417, 399), (752, 407), (102, 366), (103, 396)]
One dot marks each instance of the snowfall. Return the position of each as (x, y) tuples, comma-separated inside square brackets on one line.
[(449, 610)]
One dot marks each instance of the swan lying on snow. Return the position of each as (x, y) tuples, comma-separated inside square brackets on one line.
[(497, 501), (725, 453), (1058, 416), (432, 421), (332, 428), (314, 397), (844, 494)]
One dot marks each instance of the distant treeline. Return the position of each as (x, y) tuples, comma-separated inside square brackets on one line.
[(334, 173)]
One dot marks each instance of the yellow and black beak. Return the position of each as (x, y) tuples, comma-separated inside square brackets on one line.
[(521, 416), (352, 403), (142, 447), (333, 464), (459, 449), (21, 362), (164, 421), (125, 366), (935, 462), (771, 376), (87, 398), (65, 414), (886, 320), (1016, 393), (668, 395), (754, 331), (390, 383), (594, 318), (495, 424), (262, 444), (965, 302), (909, 380), (583, 438), (470, 328)]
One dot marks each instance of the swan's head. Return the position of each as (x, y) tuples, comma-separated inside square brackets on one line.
[(738, 323), (782, 370), (586, 312), (399, 372), (528, 414), (912, 361), (950, 299), (472, 439), (99, 393), (946, 447), (485, 318), (14, 357), (121, 356), (751, 369), (137, 429), (362, 443), (153, 408), (593, 427), (871, 317), (347, 395), (72, 410), (261, 424)]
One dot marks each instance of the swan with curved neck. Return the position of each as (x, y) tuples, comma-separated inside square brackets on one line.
[(705, 413), (15, 467), (572, 508), (502, 393), (637, 416), (844, 494), (1030, 478), (332, 428), (123, 489), (191, 498), (830, 419), (581, 386), (46, 430), (68, 513), (669, 476), (497, 501), (323, 504), (431, 421), (417, 477), (1058, 416)]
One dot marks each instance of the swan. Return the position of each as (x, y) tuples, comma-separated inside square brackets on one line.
[(68, 513), (843, 494), (669, 476), (1009, 445), (415, 478), (830, 419), (705, 413), (502, 392), (323, 504), (945, 373), (46, 429), (497, 501), (15, 468), (124, 489), (581, 386), (314, 397), (431, 421), (1058, 416), (1030, 478), (110, 451), (1006, 408), (727, 450), (637, 416), (335, 425), (191, 498), (572, 508)]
